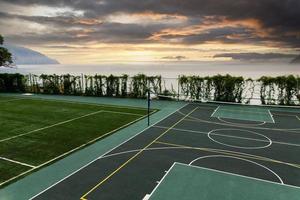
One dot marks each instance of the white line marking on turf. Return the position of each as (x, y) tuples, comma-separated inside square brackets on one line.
[(17, 162), (99, 104), (84, 166), (248, 177), (210, 133), (212, 115), (271, 116), (122, 113), (50, 126), (231, 136), (4, 101), (234, 157), (72, 150)]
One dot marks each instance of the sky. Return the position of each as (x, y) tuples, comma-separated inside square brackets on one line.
[(133, 31)]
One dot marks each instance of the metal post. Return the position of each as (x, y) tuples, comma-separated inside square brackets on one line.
[(148, 107)]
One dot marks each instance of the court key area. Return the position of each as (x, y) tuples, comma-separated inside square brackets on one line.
[(201, 151)]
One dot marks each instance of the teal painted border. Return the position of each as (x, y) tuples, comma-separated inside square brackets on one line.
[(34, 183)]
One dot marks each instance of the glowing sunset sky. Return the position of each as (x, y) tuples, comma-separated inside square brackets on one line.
[(127, 31)]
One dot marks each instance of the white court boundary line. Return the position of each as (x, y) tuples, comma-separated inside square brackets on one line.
[(67, 121), (72, 150), (243, 159), (289, 115), (160, 148), (252, 127), (241, 111), (218, 171), (212, 115), (125, 113), (162, 179), (210, 133), (84, 166), (17, 162), (241, 124), (231, 136), (271, 116), (248, 177)]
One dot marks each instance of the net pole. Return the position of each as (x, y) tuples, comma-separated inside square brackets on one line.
[(148, 98)]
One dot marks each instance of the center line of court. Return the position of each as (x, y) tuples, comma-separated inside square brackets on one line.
[(84, 197), (50, 126), (231, 136)]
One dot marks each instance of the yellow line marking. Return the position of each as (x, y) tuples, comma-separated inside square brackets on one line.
[(244, 155), (84, 197)]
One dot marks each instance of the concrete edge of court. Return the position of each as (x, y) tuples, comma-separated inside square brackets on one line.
[(36, 182)]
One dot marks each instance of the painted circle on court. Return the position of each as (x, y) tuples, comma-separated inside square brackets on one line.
[(240, 163), (238, 123), (239, 138)]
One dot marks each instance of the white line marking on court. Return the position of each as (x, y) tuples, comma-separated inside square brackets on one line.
[(292, 130), (264, 106), (231, 136), (162, 179), (248, 177), (210, 133), (234, 157), (271, 116), (223, 120), (17, 162), (212, 115), (240, 154), (223, 172), (84, 166), (50, 126), (241, 111), (72, 150)]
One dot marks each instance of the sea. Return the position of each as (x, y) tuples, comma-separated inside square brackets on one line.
[(166, 70)]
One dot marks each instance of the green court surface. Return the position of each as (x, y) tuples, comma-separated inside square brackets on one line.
[(185, 182), (249, 113), (35, 132)]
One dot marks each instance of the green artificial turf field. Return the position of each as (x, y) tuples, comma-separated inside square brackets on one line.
[(35, 132)]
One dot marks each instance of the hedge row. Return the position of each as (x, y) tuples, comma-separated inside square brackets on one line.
[(283, 90)]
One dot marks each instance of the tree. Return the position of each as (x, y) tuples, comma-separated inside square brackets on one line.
[(5, 55)]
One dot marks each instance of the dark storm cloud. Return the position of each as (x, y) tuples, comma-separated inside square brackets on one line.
[(225, 35), (58, 21), (280, 19), (106, 33), (255, 56)]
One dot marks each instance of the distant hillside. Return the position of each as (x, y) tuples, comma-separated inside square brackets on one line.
[(296, 60), (25, 56)]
